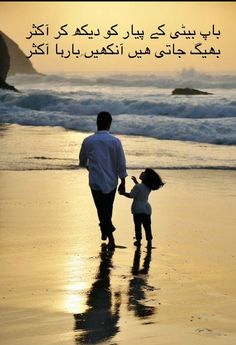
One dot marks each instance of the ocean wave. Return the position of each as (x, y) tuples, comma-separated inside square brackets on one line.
[(140, 104), (89, 103), (75, 167), (213, 131), (185, 78)]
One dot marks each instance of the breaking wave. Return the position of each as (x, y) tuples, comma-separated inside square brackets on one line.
[(140, 104)]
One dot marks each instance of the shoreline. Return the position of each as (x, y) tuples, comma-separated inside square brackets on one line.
[(36, 148)]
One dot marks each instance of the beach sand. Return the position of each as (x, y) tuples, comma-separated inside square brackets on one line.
[(60, 286)]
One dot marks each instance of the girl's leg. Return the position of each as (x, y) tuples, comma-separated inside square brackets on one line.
[(147, 226), (138, 227)]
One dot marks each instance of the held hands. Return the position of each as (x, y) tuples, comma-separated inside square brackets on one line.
[(121, 189)]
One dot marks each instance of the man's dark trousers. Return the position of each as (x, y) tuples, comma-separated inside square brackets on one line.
[(104, 205)]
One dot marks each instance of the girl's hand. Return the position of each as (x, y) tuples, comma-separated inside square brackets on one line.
[(134, 179)]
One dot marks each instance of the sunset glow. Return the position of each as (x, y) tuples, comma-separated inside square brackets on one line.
[(17, 18)]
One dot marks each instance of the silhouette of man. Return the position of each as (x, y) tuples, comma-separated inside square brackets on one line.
[(100, 321), (102, 154)]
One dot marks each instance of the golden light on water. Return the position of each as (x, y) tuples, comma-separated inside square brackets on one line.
[(74, 302), (75, 292)]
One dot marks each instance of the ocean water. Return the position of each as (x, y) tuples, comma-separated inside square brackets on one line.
[(160, 129)]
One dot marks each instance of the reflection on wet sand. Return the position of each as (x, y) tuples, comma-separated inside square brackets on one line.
[(138, 285), (99, 321)]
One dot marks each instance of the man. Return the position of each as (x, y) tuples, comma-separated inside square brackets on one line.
[(103, 155)]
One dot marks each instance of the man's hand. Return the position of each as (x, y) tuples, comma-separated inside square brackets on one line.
[(121, 188)]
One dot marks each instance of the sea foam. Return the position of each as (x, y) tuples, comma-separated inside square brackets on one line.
[(140, 105)]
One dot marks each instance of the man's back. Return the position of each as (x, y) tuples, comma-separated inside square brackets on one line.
[(103, 154)]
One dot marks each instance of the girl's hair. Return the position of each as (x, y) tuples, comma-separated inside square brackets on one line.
[(152, 180)]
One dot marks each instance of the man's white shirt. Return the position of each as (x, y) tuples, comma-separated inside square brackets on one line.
[(103, 155)]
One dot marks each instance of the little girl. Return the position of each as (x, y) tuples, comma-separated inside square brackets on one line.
[(141, 209)]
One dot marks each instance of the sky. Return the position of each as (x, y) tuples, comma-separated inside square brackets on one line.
[(132, 25)]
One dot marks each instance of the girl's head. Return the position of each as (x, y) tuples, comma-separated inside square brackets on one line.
[(151, 179)]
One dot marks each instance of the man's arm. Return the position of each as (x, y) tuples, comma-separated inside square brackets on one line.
[(83, 159), (121, 188), (134, 191), (121, 166)]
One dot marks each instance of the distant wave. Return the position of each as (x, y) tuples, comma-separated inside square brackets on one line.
[(75, 167), (185, 78), (141, 105), (88, 103)]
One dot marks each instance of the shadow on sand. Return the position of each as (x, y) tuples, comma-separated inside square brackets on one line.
[(138, 285), (99, 322)]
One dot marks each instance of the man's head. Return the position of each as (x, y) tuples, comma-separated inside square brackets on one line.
[(104, 120)]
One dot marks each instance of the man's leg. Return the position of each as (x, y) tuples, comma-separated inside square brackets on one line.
[(109, 205), (108, 201), (99, 203), (104, 206)]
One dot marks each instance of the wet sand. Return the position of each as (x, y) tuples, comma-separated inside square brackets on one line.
[(60, 286)]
